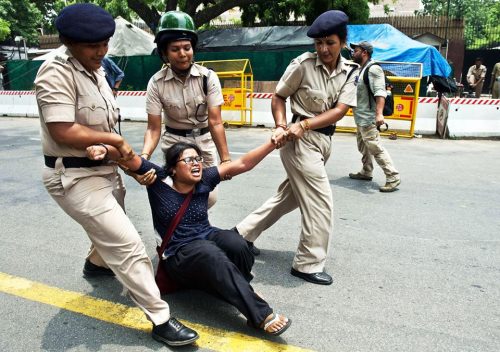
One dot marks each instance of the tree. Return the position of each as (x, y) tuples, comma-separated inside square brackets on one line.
[(272, 12), (22, 17), (202, 11), (4, 29), (479, 16)]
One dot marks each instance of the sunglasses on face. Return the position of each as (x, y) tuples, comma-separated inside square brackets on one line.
[(190, 160)]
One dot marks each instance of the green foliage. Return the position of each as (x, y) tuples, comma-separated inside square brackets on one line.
[(4, 29), (482, 18), (23, 17), (273, 12)]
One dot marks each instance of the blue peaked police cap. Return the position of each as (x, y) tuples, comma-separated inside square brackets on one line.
[(328, 23), (85, 23)]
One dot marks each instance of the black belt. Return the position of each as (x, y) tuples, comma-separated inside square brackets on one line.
[(328, 130), (187, 133), (72, 162)]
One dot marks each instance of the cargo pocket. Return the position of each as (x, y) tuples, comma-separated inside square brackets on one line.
[(91, 110), (317, 101), (172, 108)]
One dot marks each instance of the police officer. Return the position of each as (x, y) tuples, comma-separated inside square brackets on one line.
[(495, 81), (476, 76), (77, 109), (189, 94), (321, 88)]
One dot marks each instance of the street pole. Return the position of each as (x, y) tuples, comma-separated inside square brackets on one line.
[(25, 49), (447, 25)]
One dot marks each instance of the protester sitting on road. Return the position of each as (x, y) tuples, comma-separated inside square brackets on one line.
[(368, 116), (198, 255), (190, 96), (321, 87), (77, 109)]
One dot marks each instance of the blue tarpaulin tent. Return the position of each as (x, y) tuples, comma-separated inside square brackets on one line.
[(390, 44)]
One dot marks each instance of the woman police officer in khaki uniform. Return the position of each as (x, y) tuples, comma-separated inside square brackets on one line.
[(189, 94), (322, 88), (77, 109)]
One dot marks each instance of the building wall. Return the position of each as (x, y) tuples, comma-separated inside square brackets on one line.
[(398, 8)]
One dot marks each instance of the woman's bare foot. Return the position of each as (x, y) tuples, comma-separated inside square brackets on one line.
[(276, 324)]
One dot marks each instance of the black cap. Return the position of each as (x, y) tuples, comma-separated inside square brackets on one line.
[(85, 23), (328, 23)]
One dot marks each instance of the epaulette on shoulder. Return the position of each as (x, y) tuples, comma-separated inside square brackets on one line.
[(161, 74), (61, 58), (307, 56), (204, 71)]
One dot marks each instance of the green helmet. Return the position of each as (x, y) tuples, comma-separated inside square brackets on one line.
[(173, 26), (176, 21)]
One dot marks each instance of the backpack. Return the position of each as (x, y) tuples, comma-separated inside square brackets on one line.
[(389, 100)]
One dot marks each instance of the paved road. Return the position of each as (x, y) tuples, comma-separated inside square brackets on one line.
[(415, 270)]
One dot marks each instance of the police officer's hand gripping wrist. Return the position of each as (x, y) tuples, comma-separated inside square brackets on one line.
[(296, 131), (125, 150)]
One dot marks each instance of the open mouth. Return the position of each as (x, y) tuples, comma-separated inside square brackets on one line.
[(196, 171)]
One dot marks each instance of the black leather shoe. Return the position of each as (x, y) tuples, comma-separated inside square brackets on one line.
[(92, 270), (174, 333), (321, 278), (255, 251)]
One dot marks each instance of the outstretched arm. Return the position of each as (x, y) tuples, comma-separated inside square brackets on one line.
[(133, 163), (100, 151), (246, 162)]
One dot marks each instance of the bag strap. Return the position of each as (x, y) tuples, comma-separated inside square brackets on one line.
[(173, 224), (345, 82), (366, 80)]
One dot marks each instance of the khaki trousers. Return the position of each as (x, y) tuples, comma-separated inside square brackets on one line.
[(495, 92), (208, 152), (93, 198), (478, 88), (369, 145), (307, 187)]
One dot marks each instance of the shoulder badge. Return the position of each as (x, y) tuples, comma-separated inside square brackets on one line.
[(61, 58)]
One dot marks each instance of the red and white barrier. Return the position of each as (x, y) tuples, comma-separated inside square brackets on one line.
[(467, 116), (474, 117), (18, 103)]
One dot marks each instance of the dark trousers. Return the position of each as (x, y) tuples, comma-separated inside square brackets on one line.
[(220, 265)]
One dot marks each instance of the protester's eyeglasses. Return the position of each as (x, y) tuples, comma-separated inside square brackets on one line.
[(190, 160)]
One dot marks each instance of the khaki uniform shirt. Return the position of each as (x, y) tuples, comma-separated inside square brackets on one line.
[(476, 72), (496, 72), (312, 89), (184, 103), (66, 92)]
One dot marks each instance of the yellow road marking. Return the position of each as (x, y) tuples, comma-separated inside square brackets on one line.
[(132, 317)]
